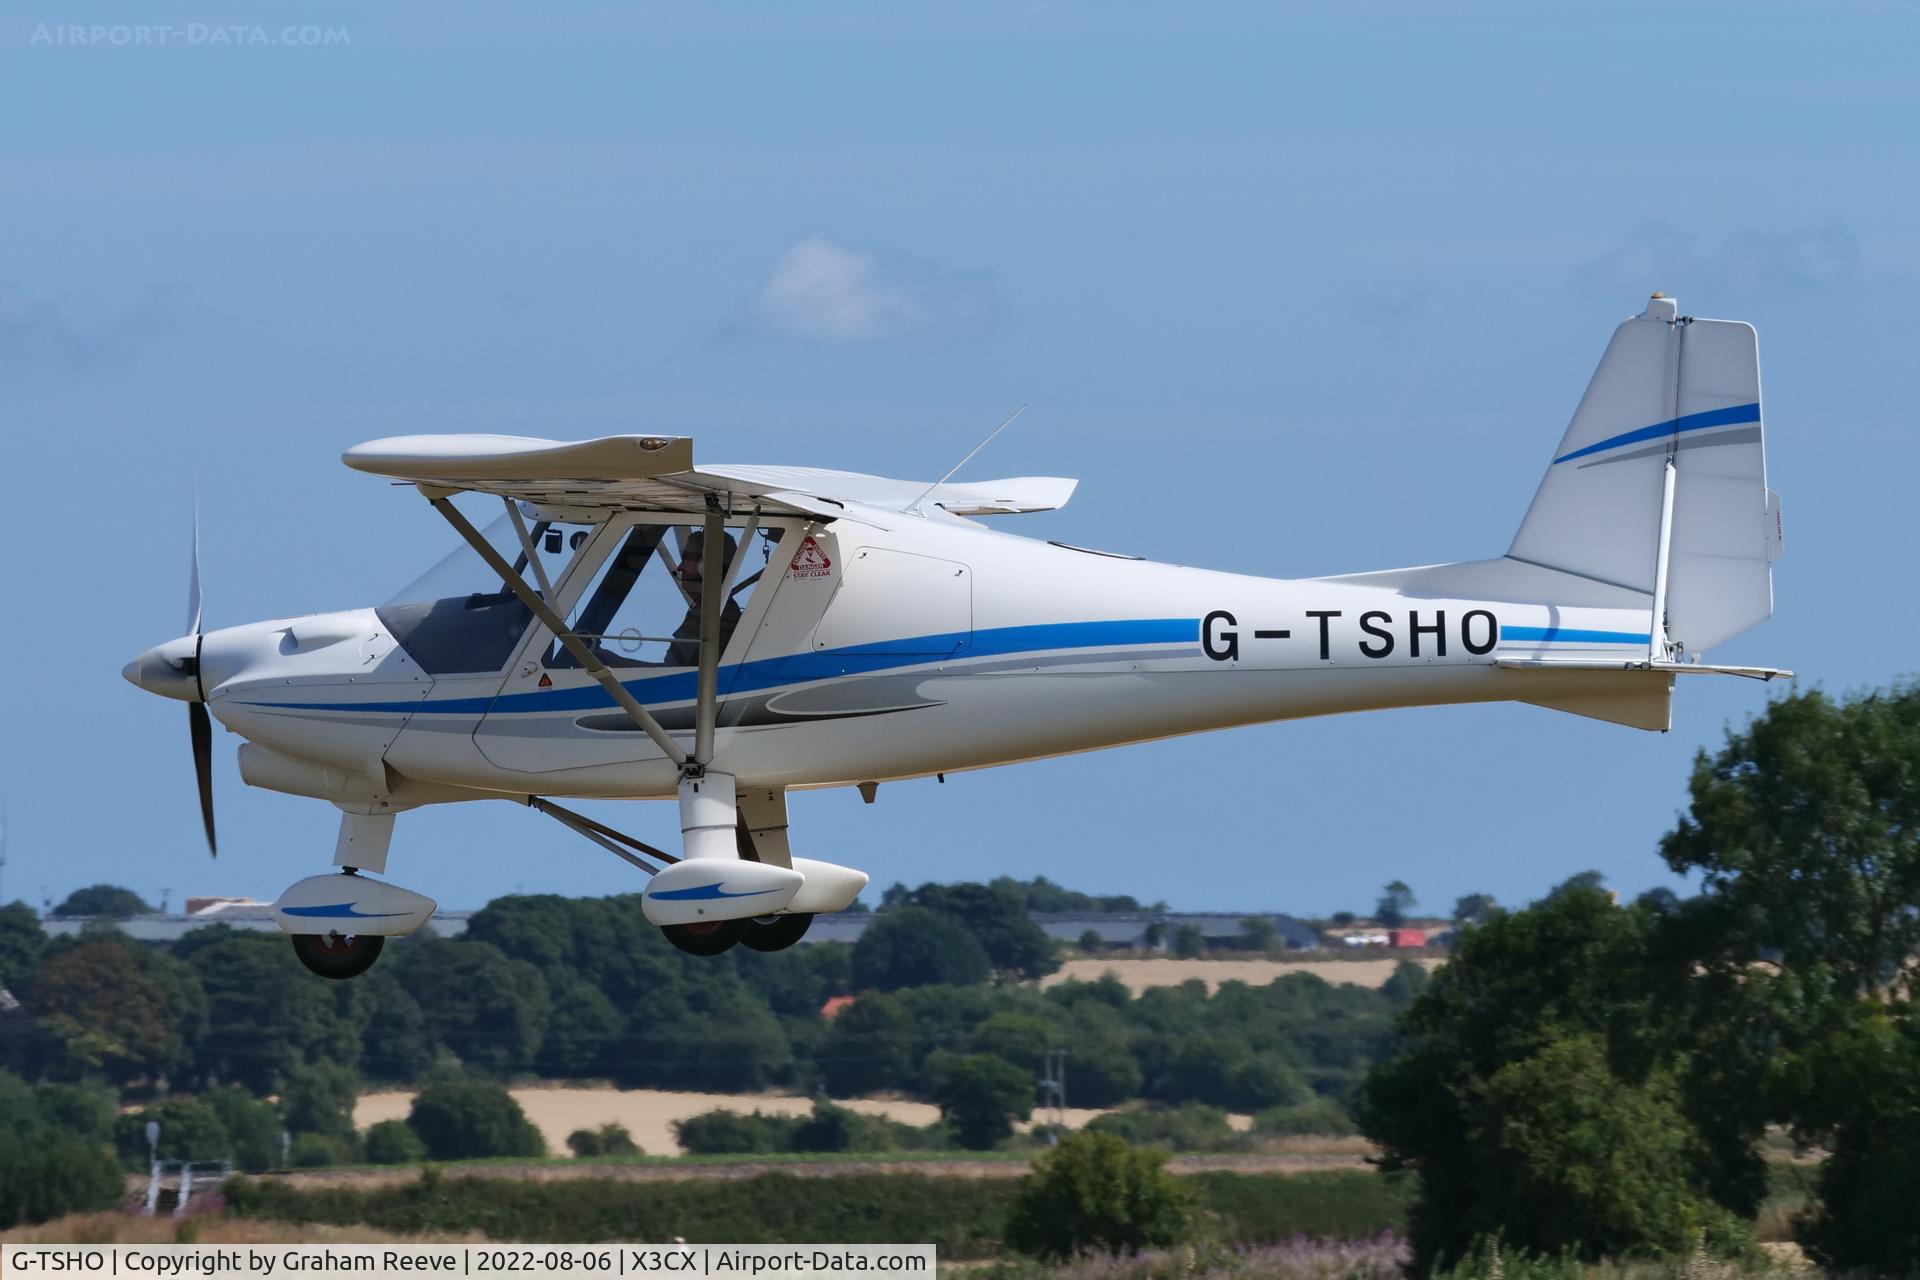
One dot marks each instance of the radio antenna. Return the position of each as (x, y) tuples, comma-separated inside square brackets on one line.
[(914, 507)]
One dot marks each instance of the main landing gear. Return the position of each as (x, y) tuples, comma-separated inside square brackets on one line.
[(762, 933), (332, 955)]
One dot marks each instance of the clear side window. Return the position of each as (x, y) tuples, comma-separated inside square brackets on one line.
[(643, 607)]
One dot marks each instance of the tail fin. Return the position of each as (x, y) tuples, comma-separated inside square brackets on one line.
[(1677, 390)]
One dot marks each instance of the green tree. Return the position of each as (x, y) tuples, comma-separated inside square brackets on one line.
[(832, 1128), (54, 1175), (1805, 826), (393, 1142), (85, 1111), (1019, 1038), (189, 1130), (103, 900), (490, 1011), (20, 1112), (266, 1013), (1189, 943), (1571, 968), (470, 1119), (1091, 943), (1191, 1126), (996, 916), (253, 1127), (1260, 934), (99, 1004), (21, 942), (736, 1047), (607, 1140), (1396, 903), (1594, 1164), (915, 946), (724, 1132), (1864, 1221), (1094, 1192), (582, 1031), (395, 1043), (319, 1098), (870, 1046), (1407, 981), (1473, 908), (981, 1097)]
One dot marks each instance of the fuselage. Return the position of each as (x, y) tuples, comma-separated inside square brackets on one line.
[(891, 647)]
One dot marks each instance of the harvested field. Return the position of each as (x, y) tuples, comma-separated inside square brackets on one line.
[(649, 1114), (1138, 975)]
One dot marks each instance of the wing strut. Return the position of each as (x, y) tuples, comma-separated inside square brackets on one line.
[(582, 654), (715, 590)]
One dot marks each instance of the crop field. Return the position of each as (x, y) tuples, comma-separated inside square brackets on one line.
[(1165, 971)]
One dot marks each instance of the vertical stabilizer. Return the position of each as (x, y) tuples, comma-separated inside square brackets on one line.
[(1669, 388)]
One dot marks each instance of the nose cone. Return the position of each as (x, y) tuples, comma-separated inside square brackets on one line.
[(170, 670)]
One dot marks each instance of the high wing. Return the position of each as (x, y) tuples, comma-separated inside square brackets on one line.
[(656, 473)]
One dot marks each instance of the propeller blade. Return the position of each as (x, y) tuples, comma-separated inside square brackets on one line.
[(193, 581), (201, 727)]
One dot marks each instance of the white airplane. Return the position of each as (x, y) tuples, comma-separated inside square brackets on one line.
[(635, 626)]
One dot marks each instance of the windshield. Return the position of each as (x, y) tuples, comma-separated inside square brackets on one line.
[(461, 571), (460, 616)]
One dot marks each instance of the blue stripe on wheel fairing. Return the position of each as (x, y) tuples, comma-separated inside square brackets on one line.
[(802, 668), (1727, 417)]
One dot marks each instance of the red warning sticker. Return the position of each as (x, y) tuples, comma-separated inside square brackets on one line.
[(809, 561), (546, 681)]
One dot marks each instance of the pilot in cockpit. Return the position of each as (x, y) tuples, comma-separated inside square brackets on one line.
[(685, 649)]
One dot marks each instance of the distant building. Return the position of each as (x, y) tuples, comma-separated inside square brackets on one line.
[(1118, 930), (1406, 938)]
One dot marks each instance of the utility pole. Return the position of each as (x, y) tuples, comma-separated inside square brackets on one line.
[(1052, 1086)]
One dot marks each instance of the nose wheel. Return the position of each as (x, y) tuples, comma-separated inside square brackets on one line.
[(333, 955)]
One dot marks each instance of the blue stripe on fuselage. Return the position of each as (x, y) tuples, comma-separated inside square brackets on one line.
[(802, 668), (1573, 635)]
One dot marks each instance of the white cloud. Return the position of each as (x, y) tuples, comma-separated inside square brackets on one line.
[(1661, 256), (819, 291), (39, 336)]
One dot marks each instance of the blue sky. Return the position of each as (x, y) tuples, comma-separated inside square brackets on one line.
[(1294, 289)]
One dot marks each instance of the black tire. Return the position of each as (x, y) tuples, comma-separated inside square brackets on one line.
[(335, 957), (707, 938), (774, 933)]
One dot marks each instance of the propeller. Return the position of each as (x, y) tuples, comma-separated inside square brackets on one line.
[(199, 723)]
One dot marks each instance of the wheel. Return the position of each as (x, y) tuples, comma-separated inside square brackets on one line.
[(336, 957), (705, 938), (775, 933)]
